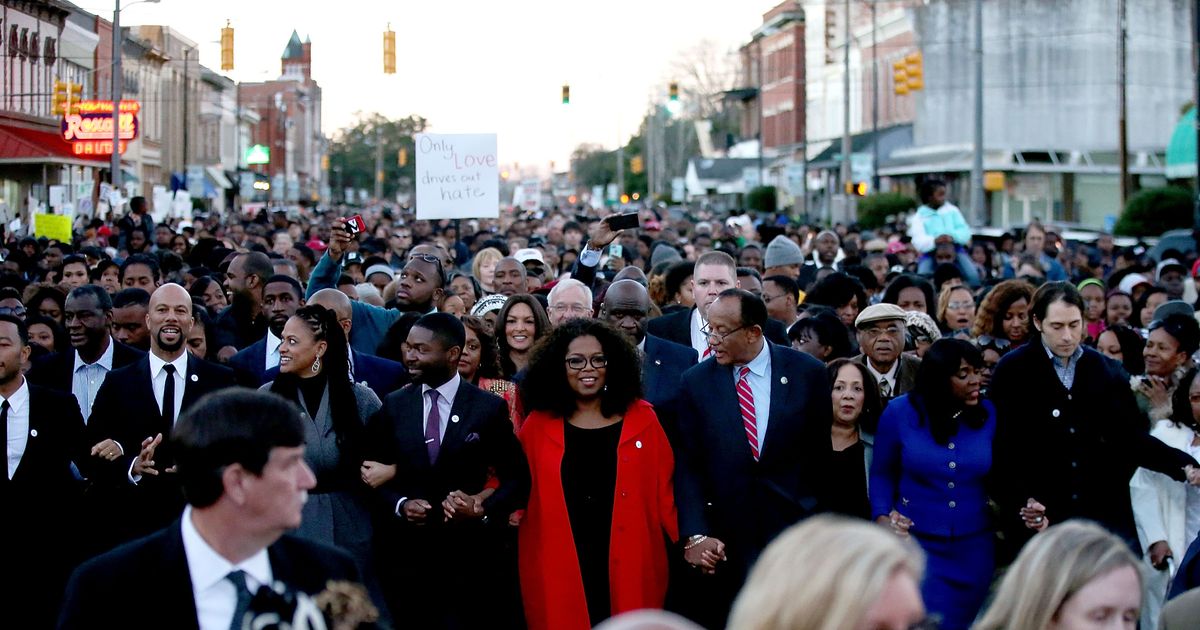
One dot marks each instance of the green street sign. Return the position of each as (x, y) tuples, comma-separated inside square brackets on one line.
[(258, 154)]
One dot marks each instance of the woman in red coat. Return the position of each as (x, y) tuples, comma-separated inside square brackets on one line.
[(593, 540)]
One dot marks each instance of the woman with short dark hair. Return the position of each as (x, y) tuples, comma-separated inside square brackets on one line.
[(1168, 354), (842, 293), (911, 293), (590, 438), (933, 453)]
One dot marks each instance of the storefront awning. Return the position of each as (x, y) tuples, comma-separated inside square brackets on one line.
[(26, 145)]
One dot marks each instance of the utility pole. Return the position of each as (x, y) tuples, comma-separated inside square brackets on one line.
[(874, 99), (187, 53), (118, 87), (977, 203), (759, 51), (378, 164), (846, 146), (1122, 131)]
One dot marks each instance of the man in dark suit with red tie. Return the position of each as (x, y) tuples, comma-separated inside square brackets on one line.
[(135, 411), (754, 428), (447, 439)]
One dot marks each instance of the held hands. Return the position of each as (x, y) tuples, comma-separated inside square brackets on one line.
[(1034, 515), (1159, 553), (462, 505), (897, 522), (705, 555), (375, 474), (108, 450), (415, 510)]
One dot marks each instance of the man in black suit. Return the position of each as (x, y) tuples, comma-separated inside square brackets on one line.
[(447, 438), (282, 297), (754, 427), (240, 458), (715, 272), (136, 409), (626, 306), (88, 316), (39, 493)]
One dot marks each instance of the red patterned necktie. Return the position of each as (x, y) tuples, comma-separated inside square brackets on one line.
[(707, 353), (746, 403)]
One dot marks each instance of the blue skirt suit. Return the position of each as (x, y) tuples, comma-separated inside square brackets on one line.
[(940, 487)]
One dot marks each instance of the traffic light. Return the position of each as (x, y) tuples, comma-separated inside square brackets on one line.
[(227, 47), (914, 71), (389, 51), (402, 157), (66, 98), (673, 92), (324, 162), (857, 189), (636, 166), (566, 94)]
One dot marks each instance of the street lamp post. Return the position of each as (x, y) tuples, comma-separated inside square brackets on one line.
[(118, 87)]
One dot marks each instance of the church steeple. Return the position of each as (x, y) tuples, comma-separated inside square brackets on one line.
[(297, 59)]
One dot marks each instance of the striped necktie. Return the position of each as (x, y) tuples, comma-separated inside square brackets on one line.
[(746, 404)]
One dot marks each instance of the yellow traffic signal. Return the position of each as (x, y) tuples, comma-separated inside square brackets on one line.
[(227, 47), (59, 105), (624, 198), (566, 94), (858, 189), (402, 157), (900, 77), (673, 91), (636, 165), (324, 162), (389, 51), (914, 71)]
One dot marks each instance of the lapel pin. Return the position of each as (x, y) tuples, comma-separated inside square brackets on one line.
[(33, 433), (658, 362), (638, 444), (783, 379), (195, 378), (453, 418)]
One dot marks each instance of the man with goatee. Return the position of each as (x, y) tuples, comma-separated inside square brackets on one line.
[(135, 411)]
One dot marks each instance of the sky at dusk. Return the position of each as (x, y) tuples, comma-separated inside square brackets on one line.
[(473, 65)]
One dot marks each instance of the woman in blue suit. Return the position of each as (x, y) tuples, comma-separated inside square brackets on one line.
[(933, 453)]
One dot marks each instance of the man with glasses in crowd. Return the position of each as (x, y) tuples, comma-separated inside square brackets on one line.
[(881, 335), (753, 446), (780, 293), (569, 299)]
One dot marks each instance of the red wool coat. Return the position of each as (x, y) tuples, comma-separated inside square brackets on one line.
[(643, 510)]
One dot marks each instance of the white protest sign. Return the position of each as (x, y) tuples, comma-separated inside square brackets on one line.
[(457, 176)]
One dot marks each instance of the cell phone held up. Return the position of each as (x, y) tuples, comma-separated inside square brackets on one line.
[(355, 224), (623, 221)]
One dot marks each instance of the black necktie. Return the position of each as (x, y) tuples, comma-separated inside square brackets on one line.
[(4, 420), (168, 405), (433, 428), (238, 578)]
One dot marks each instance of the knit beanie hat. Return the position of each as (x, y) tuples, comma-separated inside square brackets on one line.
[(782, 251), (664, 253)]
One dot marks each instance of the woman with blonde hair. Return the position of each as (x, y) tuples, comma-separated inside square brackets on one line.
[(855, 575), (484, 265), (1073, 575)]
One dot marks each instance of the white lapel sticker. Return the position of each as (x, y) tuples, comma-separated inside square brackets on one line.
[(658, 362), (783, 379), (195, 378), (638, 444), (453, 418), (33, 433)]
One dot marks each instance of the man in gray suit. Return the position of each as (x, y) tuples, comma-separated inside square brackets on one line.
[(881, 332)]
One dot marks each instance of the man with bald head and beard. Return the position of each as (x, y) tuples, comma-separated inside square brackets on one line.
[(827, 253), (135, 411), (383, 376), (626, 306), (422, 285)]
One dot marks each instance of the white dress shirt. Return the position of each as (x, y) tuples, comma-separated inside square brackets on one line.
[(272, 350), (88, 377), (158, 378), (216, 597), (446, 393), (889, 377), (760, 386), (18, 426), (699, 339)]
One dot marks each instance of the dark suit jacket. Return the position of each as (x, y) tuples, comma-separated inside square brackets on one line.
[(677, 327), (906, 374), (1074, 451), (1188, 575), (40, 504), (249, 365), (125, 410), (57, 370), (447, 563), (719, 489), (662, 373), (104, 585), (383, 376)]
